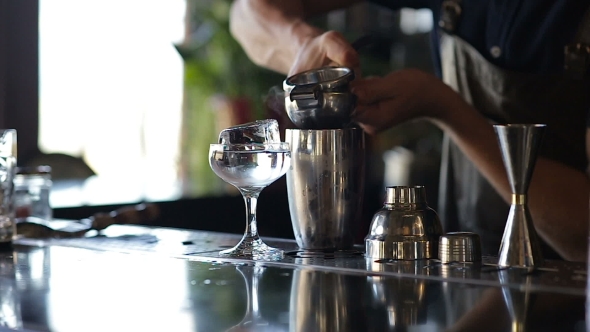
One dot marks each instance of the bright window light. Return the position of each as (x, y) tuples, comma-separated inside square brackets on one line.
[(414, 21), (111, 84)]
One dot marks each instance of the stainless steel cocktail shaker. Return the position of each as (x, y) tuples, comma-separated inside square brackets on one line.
[(405, 228), (325, 186)]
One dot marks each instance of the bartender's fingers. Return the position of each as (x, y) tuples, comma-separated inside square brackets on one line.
[(328, 48), (361, 82), (370, 118), (340, 51), (371, 90), (353, 84), (409, 83), (382, 115), (398, 97)]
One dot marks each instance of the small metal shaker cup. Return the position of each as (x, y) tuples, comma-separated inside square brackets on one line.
[(325, 186)]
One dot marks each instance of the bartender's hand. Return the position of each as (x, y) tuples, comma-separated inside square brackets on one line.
[(327, 49), (383, 102), (275, 34)]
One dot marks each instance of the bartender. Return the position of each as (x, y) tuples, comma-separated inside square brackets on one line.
[(498, 61)]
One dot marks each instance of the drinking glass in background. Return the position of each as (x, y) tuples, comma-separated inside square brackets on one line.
[(32, 186), (7, 172)]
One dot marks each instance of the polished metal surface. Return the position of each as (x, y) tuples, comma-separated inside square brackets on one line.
[(519, 144), (403, 299), (459, 247), (325, 186), (320, 98), (518, 302), (319, 298), (129, 279), (405, 228)]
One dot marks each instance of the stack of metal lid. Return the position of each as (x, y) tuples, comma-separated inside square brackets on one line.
[(462, 247)]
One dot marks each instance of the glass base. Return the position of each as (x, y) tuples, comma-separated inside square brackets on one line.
[(253, 248)]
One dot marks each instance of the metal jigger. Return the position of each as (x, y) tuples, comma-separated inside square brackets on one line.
[(519, 144)]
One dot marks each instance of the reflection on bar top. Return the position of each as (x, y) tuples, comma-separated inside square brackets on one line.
[(130, 279), (556, 276)]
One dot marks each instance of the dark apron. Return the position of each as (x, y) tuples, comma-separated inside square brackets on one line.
[(467, 202)]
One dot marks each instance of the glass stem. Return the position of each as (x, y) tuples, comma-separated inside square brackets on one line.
[(251, 198)]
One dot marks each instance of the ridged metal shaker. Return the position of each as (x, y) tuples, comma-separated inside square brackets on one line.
[(405, 227)]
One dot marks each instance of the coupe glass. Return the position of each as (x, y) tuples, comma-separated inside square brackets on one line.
[(250, 168)]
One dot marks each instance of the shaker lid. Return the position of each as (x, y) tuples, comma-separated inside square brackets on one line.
[(329, 77), (387, 238), (405, 195)]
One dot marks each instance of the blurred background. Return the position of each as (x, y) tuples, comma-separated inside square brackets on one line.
[(131, 93)]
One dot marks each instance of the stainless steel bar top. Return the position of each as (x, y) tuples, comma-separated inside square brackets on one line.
[(135, 278)]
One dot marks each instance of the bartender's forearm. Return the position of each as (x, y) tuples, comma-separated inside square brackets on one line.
[(557, 196), (272, 32)]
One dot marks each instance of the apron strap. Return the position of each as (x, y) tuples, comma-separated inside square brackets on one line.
[(577, 54)]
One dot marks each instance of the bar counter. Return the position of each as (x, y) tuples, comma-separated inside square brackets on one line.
[(138, 278)]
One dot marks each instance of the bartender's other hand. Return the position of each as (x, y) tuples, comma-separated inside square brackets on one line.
[(383, 102), (327, 49)]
